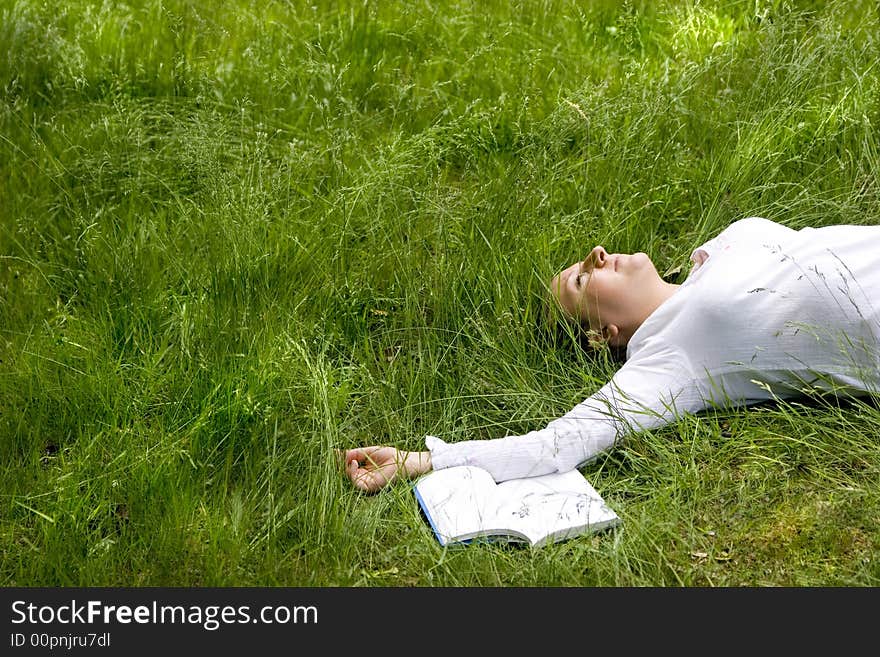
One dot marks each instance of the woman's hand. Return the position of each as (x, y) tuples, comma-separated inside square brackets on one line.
[(372, 468)]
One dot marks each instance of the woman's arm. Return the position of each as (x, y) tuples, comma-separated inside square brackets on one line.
[(648, 392)]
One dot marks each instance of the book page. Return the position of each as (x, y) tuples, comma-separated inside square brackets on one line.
[(464, 502), (551, 507), (453, 498)]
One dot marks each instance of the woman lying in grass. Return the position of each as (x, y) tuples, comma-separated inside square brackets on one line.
[(765, 313)]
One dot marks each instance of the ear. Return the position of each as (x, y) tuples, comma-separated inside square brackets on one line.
[(610, 333), (604, 336)]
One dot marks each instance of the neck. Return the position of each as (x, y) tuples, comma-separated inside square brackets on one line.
[(661, 293)]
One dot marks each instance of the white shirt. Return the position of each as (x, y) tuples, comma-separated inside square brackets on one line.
[(766, 312)]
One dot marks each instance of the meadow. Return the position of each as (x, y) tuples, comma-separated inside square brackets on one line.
[(237, 236)]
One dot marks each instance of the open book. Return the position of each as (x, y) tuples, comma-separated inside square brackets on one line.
[(464, 502)]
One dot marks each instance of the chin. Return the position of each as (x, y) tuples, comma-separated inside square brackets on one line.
[(642, 259)]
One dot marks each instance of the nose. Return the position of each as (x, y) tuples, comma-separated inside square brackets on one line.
[(596, 258)]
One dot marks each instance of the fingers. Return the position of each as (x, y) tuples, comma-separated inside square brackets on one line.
[(369, 468), (368, 481), (359, 454), (357, 478), (350, 457)]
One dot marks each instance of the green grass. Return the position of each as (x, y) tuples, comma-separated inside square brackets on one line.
[(235, 236)]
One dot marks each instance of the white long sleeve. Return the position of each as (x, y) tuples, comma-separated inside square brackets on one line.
[(643, 394), (766, 312)]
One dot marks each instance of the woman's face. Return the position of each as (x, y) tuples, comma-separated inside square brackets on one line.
[(607, 289)]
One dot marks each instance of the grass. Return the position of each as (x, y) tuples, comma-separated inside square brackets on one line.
[(235, 236)]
